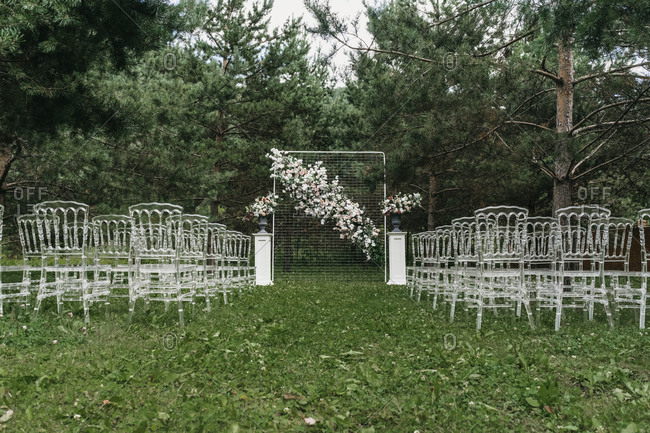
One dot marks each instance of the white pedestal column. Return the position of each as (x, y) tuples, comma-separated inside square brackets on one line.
[(397, 258), (263, 256)]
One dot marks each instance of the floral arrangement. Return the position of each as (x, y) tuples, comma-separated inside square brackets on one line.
[(262, 206), (315, 195), (401, 203)]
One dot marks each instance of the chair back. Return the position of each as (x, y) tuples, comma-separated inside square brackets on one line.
[(501, 233), (618, 243), (156, 230), (465, 239), (216, 239), (63, 228), (112, 236), (541, 240), (194, 244), (643, 222), (581, 233)]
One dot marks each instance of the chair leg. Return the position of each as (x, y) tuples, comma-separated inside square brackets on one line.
[(131, 308), (609, 314), (558, 311), (181, 321), (529, 313), (453, 307)]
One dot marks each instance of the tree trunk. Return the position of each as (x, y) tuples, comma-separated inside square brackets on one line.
[(564, 119), (561, 193), (431, 222), (8, 154)]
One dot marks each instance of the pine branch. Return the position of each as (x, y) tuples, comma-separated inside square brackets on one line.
[(547, 74), (599, 166), (380, 51), (506, 45), (460, 14), (552, 89), (602, 74), (610, 124), (603, 108), (521, 122)]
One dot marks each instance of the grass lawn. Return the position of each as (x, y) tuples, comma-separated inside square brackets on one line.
[(354, 357)]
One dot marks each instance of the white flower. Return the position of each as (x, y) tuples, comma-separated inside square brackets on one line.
[(310, 421), (328, 202)]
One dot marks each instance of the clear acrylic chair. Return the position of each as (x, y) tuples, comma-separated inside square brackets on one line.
[(616, 260), (628, 288), (156, 238), (192, 254), (540, 260), (112, 248), (500, 236), (17, 292), (215, 258), (429, 268), (64, 236), (30, 243), (249, 270), (444, 287), (582, 239), (233, 267), (465, 251), (414, 272)]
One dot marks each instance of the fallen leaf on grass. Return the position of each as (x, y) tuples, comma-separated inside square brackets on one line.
[(292, 397), (7, 415)]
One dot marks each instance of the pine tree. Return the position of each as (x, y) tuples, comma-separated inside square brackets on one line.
[(45, 50)]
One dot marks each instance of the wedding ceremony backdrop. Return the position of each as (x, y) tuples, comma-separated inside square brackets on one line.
[(305, 247)]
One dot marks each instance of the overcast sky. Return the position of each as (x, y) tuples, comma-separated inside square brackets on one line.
[(284, 9)]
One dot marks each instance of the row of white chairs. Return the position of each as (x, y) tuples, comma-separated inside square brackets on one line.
[(156, 253), (502, 258)]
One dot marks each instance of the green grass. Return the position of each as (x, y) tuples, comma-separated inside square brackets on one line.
[(358, 356)]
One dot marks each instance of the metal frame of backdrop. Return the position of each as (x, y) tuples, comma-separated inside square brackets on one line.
[(355, 191)]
